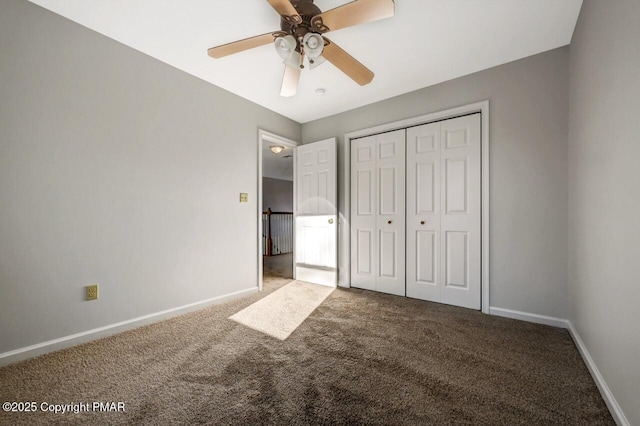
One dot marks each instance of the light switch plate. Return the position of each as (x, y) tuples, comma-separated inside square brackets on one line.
[(244, 197), (92, 292)]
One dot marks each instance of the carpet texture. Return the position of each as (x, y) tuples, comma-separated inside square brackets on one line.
[(359, 358), (282, 311), (278, 266)]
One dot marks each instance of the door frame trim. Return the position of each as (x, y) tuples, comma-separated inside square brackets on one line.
[(481, 107), (265, 136)]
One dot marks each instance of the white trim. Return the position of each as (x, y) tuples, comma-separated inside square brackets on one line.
[(344, 224), (529, 317), (484, 200), (607, 395), (264, 136), (483, 108), (85, 336)]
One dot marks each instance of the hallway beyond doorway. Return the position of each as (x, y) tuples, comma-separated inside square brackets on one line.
[(278, 266)]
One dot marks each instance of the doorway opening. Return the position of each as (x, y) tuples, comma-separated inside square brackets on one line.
[(276, 206)]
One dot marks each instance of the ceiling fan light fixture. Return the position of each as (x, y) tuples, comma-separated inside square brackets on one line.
[(301, 34), (285, 46), (294, 60), (313, 45), (316, 62), (276, 149)]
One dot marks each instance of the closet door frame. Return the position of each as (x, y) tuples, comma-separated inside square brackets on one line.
[(345, 231)]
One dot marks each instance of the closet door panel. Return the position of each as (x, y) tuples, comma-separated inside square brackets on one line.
[(460, 220), (416, 212), (391, 212), (364, 246), (423, 212)]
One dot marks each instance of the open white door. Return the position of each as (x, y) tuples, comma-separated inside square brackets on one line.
[(316, 219)]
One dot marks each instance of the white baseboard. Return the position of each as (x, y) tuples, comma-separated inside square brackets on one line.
[(85, 336), (20, 354), (609, 399), (607, 395), (529, 317)]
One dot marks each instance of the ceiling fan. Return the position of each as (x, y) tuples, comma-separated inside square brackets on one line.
[(302, 26)]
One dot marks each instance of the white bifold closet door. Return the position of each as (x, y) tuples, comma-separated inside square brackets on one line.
[(443, 212), (378, 212)]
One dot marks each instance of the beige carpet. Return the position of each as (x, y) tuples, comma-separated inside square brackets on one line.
[(359, 358), (281, 312)]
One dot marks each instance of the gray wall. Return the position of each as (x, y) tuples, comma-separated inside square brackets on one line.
[(528, 134), (111, 173), (604, 193), (277, 194)]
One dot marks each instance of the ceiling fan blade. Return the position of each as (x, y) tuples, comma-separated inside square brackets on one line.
[(285, 8), (357, 12), (240, 45), (290, 81), (347, 63)]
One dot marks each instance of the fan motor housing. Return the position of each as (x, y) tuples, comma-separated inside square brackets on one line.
[(307, 10)]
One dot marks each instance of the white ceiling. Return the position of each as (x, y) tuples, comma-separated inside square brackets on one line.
[(426, 42), (277, 166)]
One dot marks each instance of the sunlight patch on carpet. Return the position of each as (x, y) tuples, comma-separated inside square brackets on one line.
[(281, 312)]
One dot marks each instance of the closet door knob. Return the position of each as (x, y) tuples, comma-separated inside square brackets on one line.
[(422, 222), (389, 222)]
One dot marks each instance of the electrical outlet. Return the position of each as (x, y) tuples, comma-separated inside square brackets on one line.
[(92, 291), (244, 197)]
